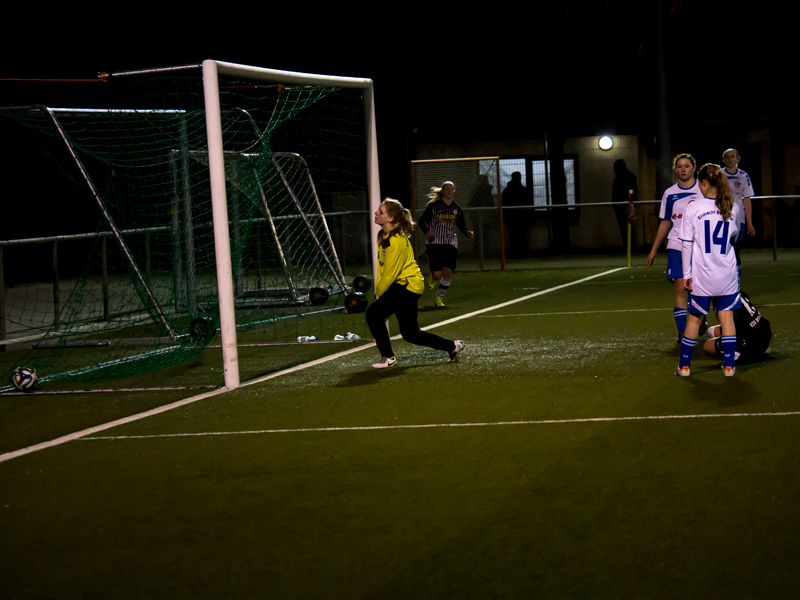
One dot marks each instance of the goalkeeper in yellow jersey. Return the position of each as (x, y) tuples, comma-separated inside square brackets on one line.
[(399, 287)]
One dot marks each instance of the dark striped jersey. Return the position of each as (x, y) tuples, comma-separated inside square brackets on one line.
[(753, 331), (443, 220)]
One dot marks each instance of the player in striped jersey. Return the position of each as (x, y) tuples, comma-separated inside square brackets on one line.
[(709, 264), (673, 206), (438, 223), (742, 189)]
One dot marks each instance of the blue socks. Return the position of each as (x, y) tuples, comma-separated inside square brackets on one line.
[(680, 318), (729, 350), (687, 347)]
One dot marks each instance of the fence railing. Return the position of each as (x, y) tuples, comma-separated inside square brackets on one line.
[(351, 243)]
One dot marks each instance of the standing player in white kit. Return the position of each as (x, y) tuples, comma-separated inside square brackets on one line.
[(742, 190), (709, 264), (673, 206)]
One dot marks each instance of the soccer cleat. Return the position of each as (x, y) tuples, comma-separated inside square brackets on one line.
[(682, 371), (454, 354), (439, 302), (431, 282), (385, 362), (729, 371)]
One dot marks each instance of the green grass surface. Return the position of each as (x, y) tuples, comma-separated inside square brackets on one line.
[(509, 504)]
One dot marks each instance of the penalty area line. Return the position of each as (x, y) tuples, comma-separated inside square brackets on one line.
[(443, 425), (186, 401)]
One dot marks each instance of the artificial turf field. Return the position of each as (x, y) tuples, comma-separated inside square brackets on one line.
[(560, 458)]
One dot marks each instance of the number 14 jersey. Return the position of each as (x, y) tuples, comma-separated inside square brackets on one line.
[(708, 257)]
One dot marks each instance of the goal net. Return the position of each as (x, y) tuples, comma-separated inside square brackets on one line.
[(476, 183), (222, 198)]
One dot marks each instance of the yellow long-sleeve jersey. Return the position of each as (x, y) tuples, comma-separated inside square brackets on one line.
[(396, 264)]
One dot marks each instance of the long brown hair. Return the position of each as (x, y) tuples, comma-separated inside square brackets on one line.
[(724, 200), (401, 217)]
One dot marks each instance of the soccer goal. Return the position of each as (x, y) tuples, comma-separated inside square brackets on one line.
[(478, 193), (228, 198)]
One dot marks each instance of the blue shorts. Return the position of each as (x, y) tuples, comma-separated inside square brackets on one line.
[(700, 305), (674, 265), (741, 233)]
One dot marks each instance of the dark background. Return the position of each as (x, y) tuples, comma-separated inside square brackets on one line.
[(442, 72)]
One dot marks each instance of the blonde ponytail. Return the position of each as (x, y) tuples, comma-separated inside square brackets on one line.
[(716, 178), (401, 217), (436, 192)]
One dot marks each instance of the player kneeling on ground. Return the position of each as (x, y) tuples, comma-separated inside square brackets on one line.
[(753, 333)]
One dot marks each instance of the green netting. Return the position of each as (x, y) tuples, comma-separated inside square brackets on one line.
[(298, 217)]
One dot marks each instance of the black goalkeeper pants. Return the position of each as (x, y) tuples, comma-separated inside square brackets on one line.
[(402, 303)]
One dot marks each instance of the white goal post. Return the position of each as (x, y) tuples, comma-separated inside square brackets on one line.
[(216, 163)]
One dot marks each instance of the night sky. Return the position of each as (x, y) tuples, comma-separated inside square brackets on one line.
[(443, 72)]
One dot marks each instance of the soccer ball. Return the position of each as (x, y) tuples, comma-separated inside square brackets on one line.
[(24, 378)]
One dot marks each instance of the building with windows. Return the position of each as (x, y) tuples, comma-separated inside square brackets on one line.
[(770, 155)]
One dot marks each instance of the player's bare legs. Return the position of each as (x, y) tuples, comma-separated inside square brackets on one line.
[(693, 325), (681, 302), (681, 295), (726, 322), (445, 272)]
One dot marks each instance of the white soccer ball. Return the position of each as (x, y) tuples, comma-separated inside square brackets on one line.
[(24, 378)]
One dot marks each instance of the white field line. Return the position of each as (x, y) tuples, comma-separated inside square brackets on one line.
[(594, 312), (325, 359), (167, 407), (438, 425), (98, 428)]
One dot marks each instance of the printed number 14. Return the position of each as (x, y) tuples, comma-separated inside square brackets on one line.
[(720, 237)]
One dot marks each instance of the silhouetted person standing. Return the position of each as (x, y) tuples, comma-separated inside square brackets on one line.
[(517, 221), (623, 183)]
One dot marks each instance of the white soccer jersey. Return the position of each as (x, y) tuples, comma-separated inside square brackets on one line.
[(673, 205), (708, 257), (741, 188)]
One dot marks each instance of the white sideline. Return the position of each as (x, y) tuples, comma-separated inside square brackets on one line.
[(167, 407), (594, 312), (434, 425)]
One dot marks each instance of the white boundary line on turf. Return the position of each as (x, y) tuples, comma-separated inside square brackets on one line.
[(98, 428), (576, 312), (436, 425), (325, 359), (167, 407), (594, 312)]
